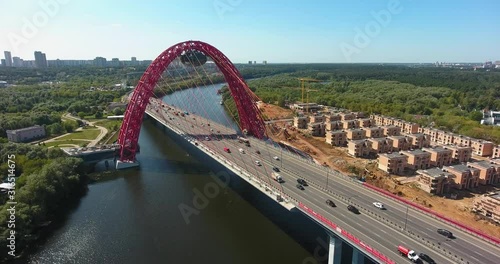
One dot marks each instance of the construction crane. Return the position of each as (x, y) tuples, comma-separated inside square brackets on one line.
[(303, 86), (307, 103)]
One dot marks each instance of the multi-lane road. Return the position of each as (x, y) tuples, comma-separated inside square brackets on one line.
[(382, 229)]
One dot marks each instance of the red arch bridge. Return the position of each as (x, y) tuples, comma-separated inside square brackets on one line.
[(186, 71)]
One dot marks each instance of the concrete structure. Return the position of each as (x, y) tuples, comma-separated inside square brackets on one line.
[(391, 131), (431, 132), (445, 138), (481, 147), (350, 124), (26, 134), (17, 62), (316, 119), (378, 119), (332, 117), (380, 145), (306, 107), (400, 143), (439, 156), (365, 122), (489, 172), (410, 128), (347, 116), (8, 58), (355, 134), (496, 152), (489, 206), (359, 148), (434, 181), (333, 125), (359, 115), (394, 163), (419, 140), (300, 122), (459, 153), (317, 129), (491, 118), (462, 141), (465, 177), (374, 132), (40, 60), (336, 138), (418, 159)]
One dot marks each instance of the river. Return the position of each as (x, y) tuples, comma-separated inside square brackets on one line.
[(134, 216)]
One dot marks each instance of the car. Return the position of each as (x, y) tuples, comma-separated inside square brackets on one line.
[(276, 158), (330, 203), (426, 258), (227, 150), (276, 169), (379, 205), (302, 182), (242, 151), (353, 209), (445, 233), (299, 186), (258, 163), (258, 152), (207, 138)]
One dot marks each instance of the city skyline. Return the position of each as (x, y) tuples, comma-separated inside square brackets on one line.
[(279, 32)]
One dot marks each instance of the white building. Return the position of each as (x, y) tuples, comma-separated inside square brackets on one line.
[(26, 134)]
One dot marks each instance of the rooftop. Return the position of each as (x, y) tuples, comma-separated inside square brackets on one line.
[(393, 155), (397, 137), (416, 152), (483, 164), (436, 149), (24, 129), (461, 167), (434, 172)]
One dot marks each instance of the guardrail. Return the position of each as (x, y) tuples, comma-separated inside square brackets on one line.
[(346, 234), (472, 231)]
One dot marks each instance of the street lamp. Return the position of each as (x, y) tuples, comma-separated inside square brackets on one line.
[(327, 178), (406, 218), (281, 158)]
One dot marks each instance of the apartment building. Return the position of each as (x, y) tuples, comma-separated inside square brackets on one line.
[(26, 134), (418, 140), (394, 163), (355, 134), (336, 138), (378, 119), (374, 132), (489, 172), (381, 145), (462, 141), (333, 125), (439, 156), (359, 115), (417, 159), (316, 129), (365, 122), (445, 138), (391, 131), (388, 121), (300, 122), (409, 128), (431, 132), (349, 124), (481, 147), (359, 148), (400, 143), (489, 206), (459, 153), (465, 177), (316, 119), (347, 116), (332, 117), (496, 152), (434, 180)]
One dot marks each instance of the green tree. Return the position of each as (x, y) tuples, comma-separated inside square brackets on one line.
[(81, 115)]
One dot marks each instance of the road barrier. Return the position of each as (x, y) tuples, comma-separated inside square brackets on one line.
[(472, 231), (346, 234)]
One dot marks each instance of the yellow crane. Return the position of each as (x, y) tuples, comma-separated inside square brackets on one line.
[(303, 86), (307, 103)]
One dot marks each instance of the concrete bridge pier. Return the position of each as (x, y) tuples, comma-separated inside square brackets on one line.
[(335, 250)]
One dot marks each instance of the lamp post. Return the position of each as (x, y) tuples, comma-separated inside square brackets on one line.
[(327, 178), (406, 218), (281, 158)]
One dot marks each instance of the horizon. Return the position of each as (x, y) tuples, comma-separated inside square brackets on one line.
[(390, 31)]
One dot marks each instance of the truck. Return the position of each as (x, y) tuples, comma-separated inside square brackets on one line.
[(410, 254), (277, 177)]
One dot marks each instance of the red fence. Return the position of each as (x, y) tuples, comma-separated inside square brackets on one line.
[(347, 235), (460, 225)]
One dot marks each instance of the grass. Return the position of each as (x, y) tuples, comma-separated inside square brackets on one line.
[(86, 133), (64, 143)]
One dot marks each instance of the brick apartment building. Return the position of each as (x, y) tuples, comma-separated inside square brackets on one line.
[(496, 152), (350, 124), (481, 147), (336, 138), (391, 131), (300, 122), (445, 138), (347, 116), (333, 125), (459, 154), (419, 140), (316, 119), (359, 148), (365, 122), (374, 132), (489, 206), (317, 129), (380, 145), (394, 163), (417, 159), (434, 180), (462, 141), (400, 143), (332, 117), (356, 134), (465, 177), (439, 156), (489, 172)]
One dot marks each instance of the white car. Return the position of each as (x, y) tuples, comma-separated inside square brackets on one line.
[(242, 151), (378, 205), (258, 163), (276, 158)]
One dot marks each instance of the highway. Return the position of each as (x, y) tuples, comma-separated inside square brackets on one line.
[(373, 226)]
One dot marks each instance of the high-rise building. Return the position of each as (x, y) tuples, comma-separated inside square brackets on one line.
[(8, 58), (17, 62), (3, 62), (100, 62), (40, 60)]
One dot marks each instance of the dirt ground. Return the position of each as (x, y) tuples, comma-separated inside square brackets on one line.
[(337, 158)]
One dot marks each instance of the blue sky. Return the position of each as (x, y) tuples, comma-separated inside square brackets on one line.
[(329, 31)]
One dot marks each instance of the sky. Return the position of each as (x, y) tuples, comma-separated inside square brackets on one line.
[(278, 31)]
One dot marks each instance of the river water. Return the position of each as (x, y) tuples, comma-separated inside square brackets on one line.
[(134, 216)]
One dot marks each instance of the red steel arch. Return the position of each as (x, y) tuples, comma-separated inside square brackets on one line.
[(250, 120)]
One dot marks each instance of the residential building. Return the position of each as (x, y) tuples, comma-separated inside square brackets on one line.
[(26, 134), (358, 115), (391, 131), (316, 129), (465, 177), (431, 132), (374, 132), (40, 60), (379, 119), (434, 180), (336, 138), (316, 119), (17, 62), (489, 172), (400, 143), (459, 154), (8, 58), (491, 118), (332, 117), (445, 138), (365, 122), (333, 125), (381, 145), (489, 206), (462, 141), (347, 116), (100, 62), (394, 163), (496, 152), (481, 147), (359, 148), (300, 122), (349, 124), (417, 159), (410, 128), (355, 134), (439, 156), (419, 140), (306, 107)]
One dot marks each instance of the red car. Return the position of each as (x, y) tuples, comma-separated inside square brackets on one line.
[(227, 150)]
